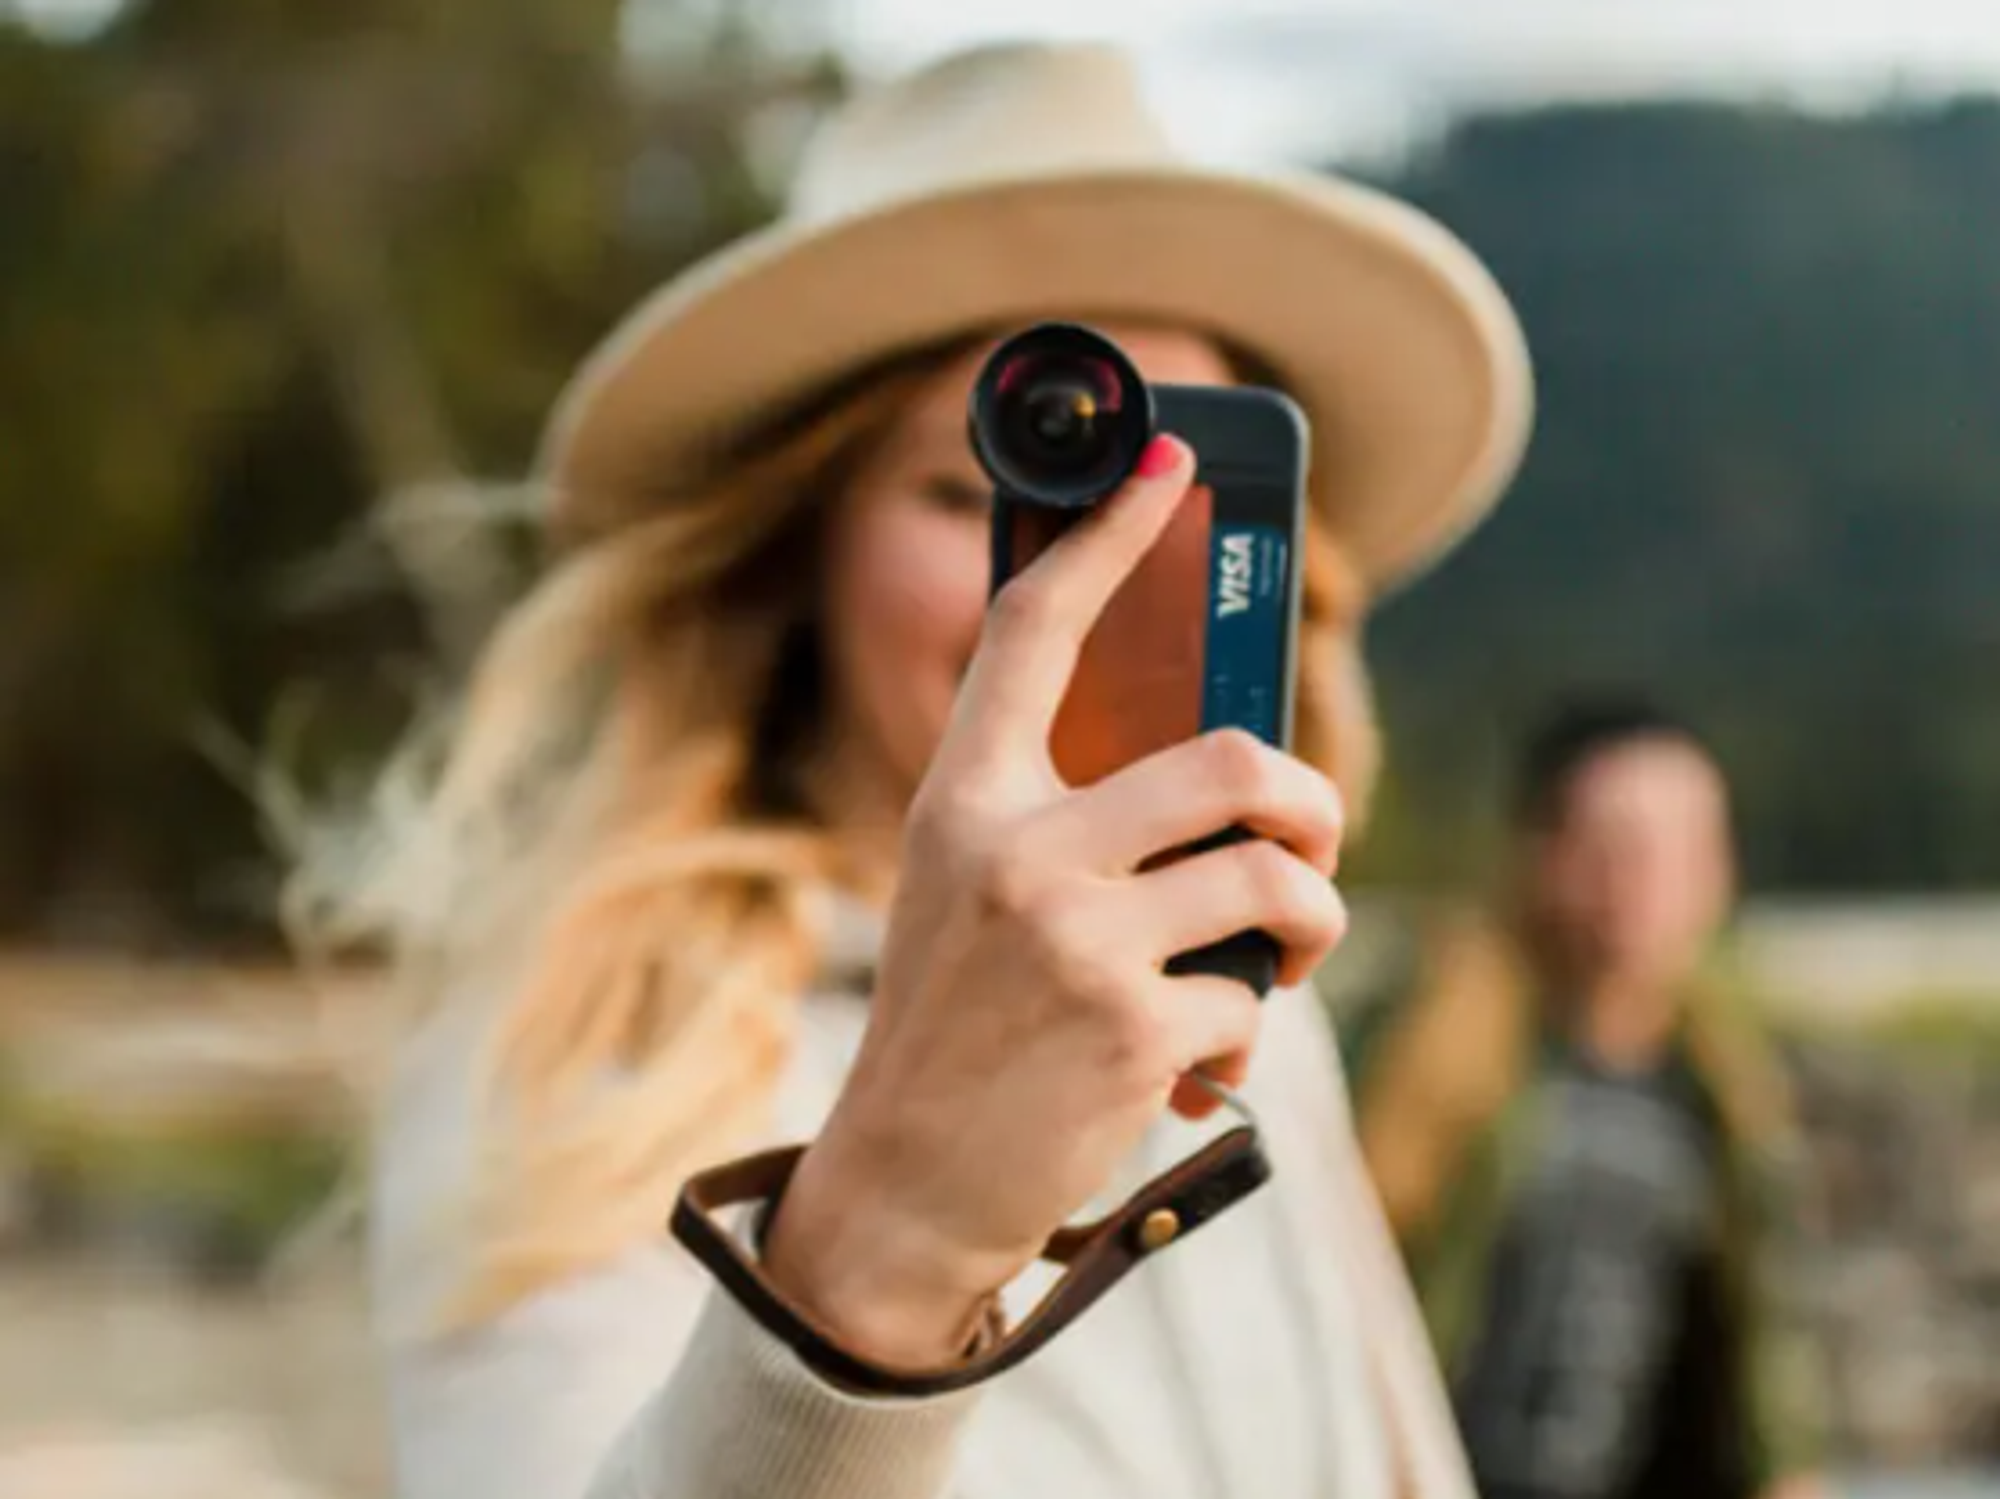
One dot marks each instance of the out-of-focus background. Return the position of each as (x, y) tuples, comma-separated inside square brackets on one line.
[(284, 291)]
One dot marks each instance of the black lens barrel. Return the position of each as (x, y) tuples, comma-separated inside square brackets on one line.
[(1060, 416)]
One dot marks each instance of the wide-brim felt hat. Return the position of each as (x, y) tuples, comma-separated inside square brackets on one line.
[(1016, 183)]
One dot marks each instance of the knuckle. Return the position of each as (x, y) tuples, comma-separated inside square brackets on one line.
[(945, 804), (1319, 908), (949, 820), (1328, 912), (1235, 752), (1005, 882), (1335, 805), (1293, 893), (1275, 878), (930, 813), (1062, 934), (1242, 1018), (1090, 979), (1137, 1044), (1326, 918), (1337, 917), (1244, 764)]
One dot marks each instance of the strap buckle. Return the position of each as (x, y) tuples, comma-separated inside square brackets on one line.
[(1095, 1256)]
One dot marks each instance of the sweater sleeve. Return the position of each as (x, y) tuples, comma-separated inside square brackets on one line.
[(638, 1380), (741, 1418)]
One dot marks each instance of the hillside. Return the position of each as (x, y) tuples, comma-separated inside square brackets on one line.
[(1766, 480)]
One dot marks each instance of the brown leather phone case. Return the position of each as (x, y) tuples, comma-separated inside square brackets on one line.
[(1138, 683)]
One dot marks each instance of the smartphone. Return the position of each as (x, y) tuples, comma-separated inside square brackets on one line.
[(1203, 634)]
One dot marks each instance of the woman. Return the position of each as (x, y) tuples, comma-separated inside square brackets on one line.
[(749, 835)]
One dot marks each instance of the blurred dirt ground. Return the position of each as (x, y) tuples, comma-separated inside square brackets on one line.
[(164, 1130), (164, 1127), (119, 1378)]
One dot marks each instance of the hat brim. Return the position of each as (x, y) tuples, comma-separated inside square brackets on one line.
[(1389, 333)]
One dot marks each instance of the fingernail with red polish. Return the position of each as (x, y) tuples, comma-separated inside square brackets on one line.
[(1161, 454)]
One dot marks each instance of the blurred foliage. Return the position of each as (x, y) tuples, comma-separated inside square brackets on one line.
[(267, 271), (1925, 1026), (1765, 481), (224, 1201)]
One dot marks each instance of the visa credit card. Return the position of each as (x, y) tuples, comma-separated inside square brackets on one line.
[(1243, 680)]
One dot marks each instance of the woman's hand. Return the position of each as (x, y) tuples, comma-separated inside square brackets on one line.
[(1023, 1035)]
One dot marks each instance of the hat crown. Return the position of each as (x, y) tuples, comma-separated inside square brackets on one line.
[(993, 113)]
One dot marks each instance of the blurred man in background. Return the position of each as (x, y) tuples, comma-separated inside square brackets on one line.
[(1577, 1145)]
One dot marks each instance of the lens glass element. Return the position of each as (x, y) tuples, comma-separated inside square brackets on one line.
[(1057, 414)]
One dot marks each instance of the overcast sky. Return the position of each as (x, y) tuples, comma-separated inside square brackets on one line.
[(1251, 78)]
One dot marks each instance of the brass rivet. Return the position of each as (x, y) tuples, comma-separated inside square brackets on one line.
[(1159, 1229)]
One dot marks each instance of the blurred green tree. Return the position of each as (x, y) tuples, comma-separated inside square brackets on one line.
[(282, 287)]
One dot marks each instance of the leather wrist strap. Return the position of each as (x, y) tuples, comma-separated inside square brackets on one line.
[(1096, 1256)]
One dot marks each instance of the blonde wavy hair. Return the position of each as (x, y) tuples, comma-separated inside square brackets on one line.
[(613, 829)]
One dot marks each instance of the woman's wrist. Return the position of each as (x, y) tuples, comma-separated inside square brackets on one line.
[(877, 1281)]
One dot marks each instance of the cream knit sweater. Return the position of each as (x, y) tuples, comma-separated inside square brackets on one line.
[(1275, 1354)]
